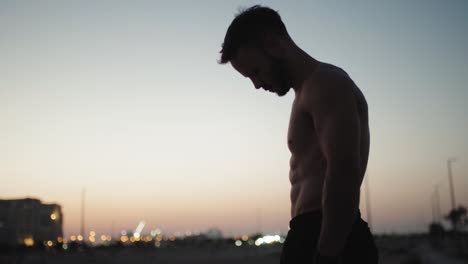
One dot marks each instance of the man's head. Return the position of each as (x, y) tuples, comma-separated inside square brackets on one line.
[(255, 44)]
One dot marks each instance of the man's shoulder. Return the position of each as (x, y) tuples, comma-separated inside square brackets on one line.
[(326, 74), (326, 82)]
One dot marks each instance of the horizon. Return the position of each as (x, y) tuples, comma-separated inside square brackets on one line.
[(194, 232)]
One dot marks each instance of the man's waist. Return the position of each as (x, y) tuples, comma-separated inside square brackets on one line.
[(311, 220)]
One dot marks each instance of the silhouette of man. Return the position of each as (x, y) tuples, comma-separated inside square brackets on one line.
[(328, 138)]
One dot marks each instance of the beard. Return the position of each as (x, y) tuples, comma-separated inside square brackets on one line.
[(281, 81)]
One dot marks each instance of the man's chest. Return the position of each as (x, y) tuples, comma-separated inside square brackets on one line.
[(301, 130)]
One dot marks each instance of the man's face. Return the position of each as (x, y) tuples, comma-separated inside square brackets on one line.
[(263, 70)]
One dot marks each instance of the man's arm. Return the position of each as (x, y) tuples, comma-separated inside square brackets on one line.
[(331, 103)]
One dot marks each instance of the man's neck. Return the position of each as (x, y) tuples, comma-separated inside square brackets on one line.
[(300, 67)]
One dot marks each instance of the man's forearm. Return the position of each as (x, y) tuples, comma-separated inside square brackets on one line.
[(339, 208)]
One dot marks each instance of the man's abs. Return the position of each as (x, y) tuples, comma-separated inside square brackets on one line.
[(306, 186)]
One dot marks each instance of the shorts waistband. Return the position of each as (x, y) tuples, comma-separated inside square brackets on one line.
[(312, 219), (306, 220)]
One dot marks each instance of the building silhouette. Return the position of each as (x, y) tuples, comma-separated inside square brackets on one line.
[(29, 222)]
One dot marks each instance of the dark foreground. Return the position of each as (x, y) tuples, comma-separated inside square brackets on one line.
[(146, 255), (405, 250)]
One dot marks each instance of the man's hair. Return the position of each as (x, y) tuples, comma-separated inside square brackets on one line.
[(248, 28)]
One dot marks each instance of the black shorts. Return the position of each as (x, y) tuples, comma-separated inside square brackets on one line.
[(301, 242)]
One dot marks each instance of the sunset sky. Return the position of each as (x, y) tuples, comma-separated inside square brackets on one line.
[(127, 100)]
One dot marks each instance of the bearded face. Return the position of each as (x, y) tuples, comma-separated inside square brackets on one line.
[(263, 70)]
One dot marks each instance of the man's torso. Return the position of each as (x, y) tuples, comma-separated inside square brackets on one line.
[(307, 164)]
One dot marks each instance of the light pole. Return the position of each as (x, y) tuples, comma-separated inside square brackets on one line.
[(434, 217), (452, 192), (82, 231), (368, 203), (437, 203)]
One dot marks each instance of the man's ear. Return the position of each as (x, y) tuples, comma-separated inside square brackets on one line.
[(274, 45)]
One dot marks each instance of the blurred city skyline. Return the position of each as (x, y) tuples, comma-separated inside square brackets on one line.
[(126, 100)]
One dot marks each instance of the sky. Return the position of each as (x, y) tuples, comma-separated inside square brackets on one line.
[(126, 100)]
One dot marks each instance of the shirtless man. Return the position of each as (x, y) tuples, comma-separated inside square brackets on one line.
[(328, 138)]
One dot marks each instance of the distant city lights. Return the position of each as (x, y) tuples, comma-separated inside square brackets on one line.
[(53, 216), (28, 241), (268, 240), (124, 239), (156, 237), (155, 232), (138, 230)]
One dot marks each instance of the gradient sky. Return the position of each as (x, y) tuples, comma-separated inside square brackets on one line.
[(126, 99)]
